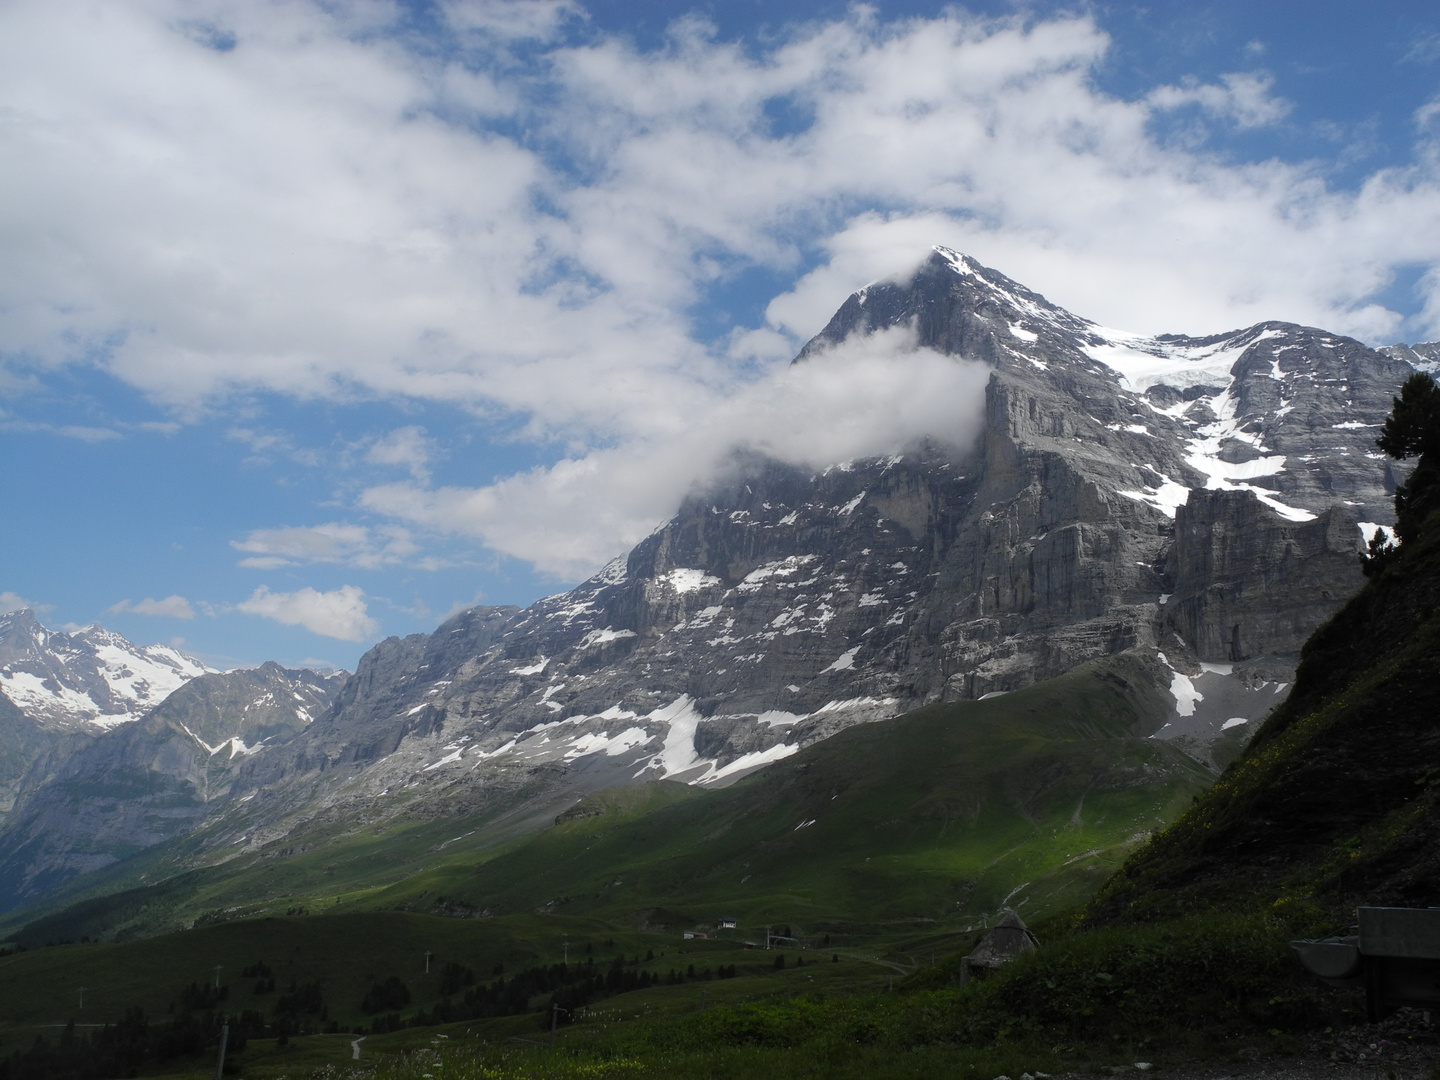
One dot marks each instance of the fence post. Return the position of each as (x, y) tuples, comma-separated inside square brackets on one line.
[(220, 1062)]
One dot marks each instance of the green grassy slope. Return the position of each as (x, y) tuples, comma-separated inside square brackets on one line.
[(1334, 803), (331, 862), (945, 814), (892, 838), (341, 952)]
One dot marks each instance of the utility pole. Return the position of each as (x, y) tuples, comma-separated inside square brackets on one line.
[(767, 938), (427, 962), (82, 996), (554, 1023), (567, 950), (217, 975), (220, 1062)]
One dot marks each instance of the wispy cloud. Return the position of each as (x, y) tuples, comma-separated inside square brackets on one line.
[(1243, 98), (10, 601), (407, 447), (348, 545), (83, 432), (1423, 50), (172, 607), (340, 613)]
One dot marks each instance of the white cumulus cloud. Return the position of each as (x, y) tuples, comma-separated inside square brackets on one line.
[(512, 213), (340, 613)]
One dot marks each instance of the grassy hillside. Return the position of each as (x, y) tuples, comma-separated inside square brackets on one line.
[(940, 816), (884, 847), (341, 952), (330, 863), (1334, 803)]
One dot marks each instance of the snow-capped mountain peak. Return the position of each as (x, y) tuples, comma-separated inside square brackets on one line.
[(90, 679)]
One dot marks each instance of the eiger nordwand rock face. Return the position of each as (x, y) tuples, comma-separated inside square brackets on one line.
[(1199, 502), (1202, 501)]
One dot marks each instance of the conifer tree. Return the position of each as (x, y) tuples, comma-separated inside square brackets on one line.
[(1413, 430)]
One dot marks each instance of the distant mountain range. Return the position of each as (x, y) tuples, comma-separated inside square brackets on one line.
[(59, 690), (1199, 504), (90, 680)]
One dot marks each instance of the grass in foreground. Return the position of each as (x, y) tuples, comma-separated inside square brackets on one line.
[(1163, 993)]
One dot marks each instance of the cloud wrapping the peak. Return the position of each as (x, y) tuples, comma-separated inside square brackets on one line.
[(870, 396)]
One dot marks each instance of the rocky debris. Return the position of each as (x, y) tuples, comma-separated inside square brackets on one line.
[(1404, 1046)]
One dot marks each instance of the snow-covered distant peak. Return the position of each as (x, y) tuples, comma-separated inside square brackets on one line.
[(1422, 356), (93, 678)]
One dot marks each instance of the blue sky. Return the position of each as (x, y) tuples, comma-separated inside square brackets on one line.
[(319, 322)]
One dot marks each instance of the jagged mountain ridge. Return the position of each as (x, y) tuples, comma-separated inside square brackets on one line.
[(85, 807), (1201, 502), (1204, 499), (58, 690), (1422, 356), (90, 680)]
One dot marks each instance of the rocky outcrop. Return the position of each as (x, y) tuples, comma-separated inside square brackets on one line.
[(1246, 584)]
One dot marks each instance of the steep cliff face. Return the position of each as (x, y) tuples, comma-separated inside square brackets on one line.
[(1204, 499), (1201, 501), (1246, 585)]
